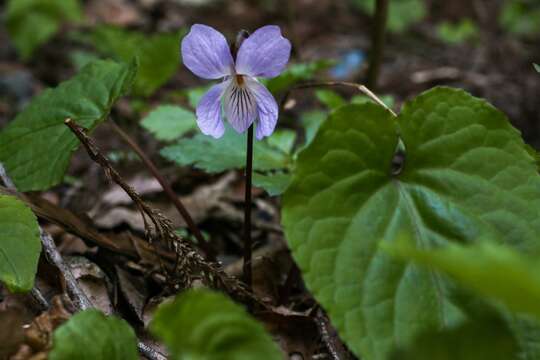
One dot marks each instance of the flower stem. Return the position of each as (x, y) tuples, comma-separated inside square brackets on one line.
[(377, 42), (247, 269), (168, 191)]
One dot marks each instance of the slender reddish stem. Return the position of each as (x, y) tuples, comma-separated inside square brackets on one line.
[(377, 42), (247, 268), (168, 190)]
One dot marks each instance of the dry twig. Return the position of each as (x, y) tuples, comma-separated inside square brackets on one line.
[(167, 188), (78, 297), (190, 264), (362, 88)]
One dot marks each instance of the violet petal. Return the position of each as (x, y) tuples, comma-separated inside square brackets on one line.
[(265, 53), (240, 106), (205, 52), (267, 109), (209, 117)]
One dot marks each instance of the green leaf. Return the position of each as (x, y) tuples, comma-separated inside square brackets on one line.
[(401, 13), (31, 23), (202, 324), (312, 121), (81, 58), (296, 73), (20, 244), (467, 175), (228, 152), (537, 67), (36, 147), (158, 54), (169, 122), (457, 33), (273, 183), (387, 100), (330, 99), (195, 94), (492, 270), (486, 338), (283, 140), (90, 335), (520, 18)]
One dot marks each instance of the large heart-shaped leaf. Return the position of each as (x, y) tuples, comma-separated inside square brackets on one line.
[(90, 335), (19, 244), (202, 324), (36, 147), (466, 175)]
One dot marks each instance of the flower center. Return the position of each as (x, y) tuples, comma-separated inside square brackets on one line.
[(239, 80)]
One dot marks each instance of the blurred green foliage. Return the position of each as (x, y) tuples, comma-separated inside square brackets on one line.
[(457, 33), (30, 23), (521, 17), (296, 73), (91, 335), (169, 122), (482, 338), (158, 54), (401, 13), (202, 324)]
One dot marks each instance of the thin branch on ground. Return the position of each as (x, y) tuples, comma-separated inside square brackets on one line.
[(203, 244), (377, 42), (39, 299), (78, 297), (149, 352), (359, 87), (6, 179), (336, 349), (190, 263)]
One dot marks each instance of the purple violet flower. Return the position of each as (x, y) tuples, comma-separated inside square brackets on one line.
[(263, 54)]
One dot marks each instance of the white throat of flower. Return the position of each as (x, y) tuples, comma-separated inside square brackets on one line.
[(238, 98)]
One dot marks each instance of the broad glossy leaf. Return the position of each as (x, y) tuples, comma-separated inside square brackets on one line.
[(202, 324), (466, 175), (36, 147), (158, 54), (91, 335), (169, 122), (494, 271), (537, 67), (20, 244), (228, 152), (31, 23)]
